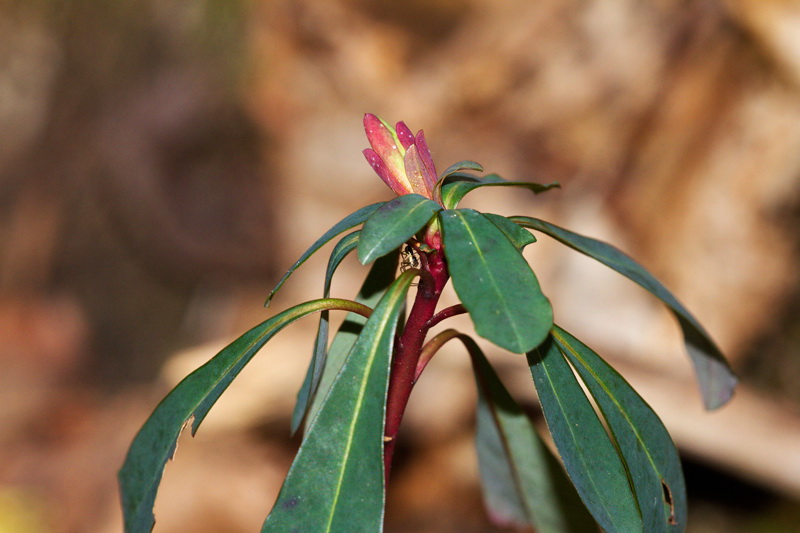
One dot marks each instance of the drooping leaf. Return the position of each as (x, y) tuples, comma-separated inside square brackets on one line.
[(461, 165), (393, 224), (454, 191), (646, 447), (714, 375), (523, 483), (381, 275), (314, 373), (494, 282), (518, 236), (350, 221), (591, 460), (455, 173), (452, 177), (188, 404), (336, 480), (460, 175)]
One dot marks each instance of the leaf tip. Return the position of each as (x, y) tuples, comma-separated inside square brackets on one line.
[(364, 255)]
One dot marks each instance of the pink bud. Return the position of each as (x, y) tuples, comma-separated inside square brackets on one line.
[(402, 160)]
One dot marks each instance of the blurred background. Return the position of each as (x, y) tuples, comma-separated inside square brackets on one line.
[(163, 162)]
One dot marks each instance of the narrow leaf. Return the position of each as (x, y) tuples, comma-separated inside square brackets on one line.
[(454, 191), (189, 403), (336, 480), (646, 447), (589, 456), (346, 245), (393, 224), (494, 282), (714, 375), (380, 277), (350, 221), (523, 483), (518, 236)]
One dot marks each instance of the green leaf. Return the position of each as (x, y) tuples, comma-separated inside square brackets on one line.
[(346, 245), (350, 221), (494, 282), (646, 447), (518, 236), (523, 483), (589, 456), (715, 376), (454, 191), (336, 480), (189, 403), (393, 224), (458, 175), (453, 173), (380, 277), (461, 165)]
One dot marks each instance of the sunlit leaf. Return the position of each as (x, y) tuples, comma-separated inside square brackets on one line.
[(523, 483), (494, 282), (715, 376), (350, 221), (393, 224), (454, 191), (314, 373), (591, 460), (336, 482), (645, 445), (188, 404)]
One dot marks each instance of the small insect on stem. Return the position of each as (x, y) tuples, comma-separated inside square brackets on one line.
[(409, 258)]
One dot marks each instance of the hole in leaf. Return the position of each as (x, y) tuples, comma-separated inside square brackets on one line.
[(668, 500)]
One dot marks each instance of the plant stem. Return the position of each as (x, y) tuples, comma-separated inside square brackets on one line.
[(431, 347), (409, 347), (453, 310)]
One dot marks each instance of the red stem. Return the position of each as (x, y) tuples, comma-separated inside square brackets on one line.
[(453, 310), (431, 347), (409, 347)]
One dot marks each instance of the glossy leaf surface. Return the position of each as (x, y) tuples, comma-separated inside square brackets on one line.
[(643, 441), (188, 404), (336, 480), (346, 245), (393, 224), (494, 282), (454, 191), (523, 483), (589, 456), (381, 276), (715, 376), (350, 221)]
